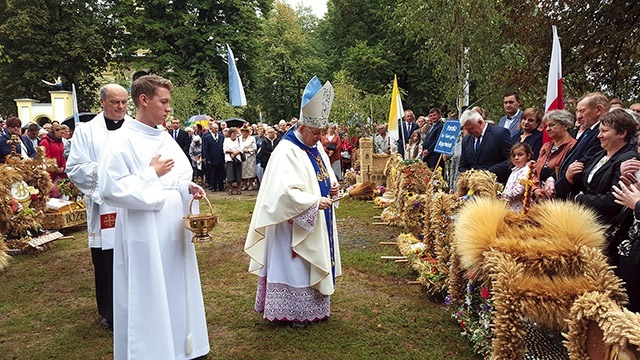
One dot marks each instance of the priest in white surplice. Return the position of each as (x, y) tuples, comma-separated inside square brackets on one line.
[(82, 168), (292, 239), (158, 305)]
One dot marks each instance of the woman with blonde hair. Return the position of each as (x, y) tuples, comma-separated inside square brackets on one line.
[(249, 148), (233, 160)]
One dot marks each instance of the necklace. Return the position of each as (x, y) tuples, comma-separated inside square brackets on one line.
[(321, 173)]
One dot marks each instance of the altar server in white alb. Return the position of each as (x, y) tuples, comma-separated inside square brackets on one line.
[(82, 168), (292, 239), (158, 306)]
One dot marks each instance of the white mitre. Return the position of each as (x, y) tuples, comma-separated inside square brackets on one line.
[(316, 104)]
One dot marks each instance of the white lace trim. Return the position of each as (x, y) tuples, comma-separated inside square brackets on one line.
[(94, 181), (308, 218), (286, 303)]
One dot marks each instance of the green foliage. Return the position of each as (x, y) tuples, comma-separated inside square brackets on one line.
[(186, 40), (431, 46), (46, 39), (216, 100), (451, 41), (184, 101), (598, 44), (287, 61), (352, 105)]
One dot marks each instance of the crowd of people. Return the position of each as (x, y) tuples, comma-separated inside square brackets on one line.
[(233, 159), (590, 157)]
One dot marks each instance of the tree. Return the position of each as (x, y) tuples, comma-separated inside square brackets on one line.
[(46, 39), (186, 40), (600, 52), (184, 101), (352, 106), (373, 41), (454, 40), (287, 62)]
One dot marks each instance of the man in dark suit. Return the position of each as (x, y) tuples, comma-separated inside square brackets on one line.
[(485, 147), (589, 109), (267, 147), (428, 155), (180, 136), (212, 153), (405, 128), (511, 120)]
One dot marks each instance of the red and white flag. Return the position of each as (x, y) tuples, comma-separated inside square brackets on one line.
[(555, 100)]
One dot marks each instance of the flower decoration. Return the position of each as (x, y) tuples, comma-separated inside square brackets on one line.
[(474, 317)]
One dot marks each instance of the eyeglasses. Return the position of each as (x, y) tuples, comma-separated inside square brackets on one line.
[(551, 125), (316, 132)]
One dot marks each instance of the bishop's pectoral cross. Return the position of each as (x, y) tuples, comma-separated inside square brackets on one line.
[(322, 174)]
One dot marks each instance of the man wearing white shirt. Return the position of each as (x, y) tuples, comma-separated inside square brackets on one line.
[(157, 296), (383, 142), (511, 121)]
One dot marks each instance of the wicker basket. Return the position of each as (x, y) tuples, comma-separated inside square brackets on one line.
[(67, 216)]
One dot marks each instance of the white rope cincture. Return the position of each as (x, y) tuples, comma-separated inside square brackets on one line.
[(189, 340)]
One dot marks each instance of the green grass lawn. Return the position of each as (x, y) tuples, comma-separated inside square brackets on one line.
[(48, 311)]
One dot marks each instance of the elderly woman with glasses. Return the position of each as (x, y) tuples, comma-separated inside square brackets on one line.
[(552, 154)]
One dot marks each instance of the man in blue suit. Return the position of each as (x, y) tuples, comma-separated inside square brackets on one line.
[(511, 121), (213, 155), (485, 147), (405, 128)]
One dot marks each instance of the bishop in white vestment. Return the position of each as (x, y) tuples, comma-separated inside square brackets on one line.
[(292, 239)]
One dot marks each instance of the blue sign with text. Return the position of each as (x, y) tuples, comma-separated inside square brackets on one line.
[(448, 137)]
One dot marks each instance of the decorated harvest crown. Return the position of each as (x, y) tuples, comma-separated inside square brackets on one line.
[(316, 104)]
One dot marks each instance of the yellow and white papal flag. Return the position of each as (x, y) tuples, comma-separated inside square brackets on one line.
[(396, 112)]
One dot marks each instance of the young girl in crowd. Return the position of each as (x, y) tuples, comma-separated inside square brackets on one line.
[(413, 149), (520, 155)]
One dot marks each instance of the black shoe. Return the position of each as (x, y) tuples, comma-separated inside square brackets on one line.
[(299, 325), (106, 324)]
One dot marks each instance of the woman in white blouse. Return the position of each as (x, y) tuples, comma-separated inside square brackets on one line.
[(249, 148), (232, 150)]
